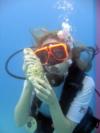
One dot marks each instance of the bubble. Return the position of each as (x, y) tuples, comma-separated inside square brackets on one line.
[(66, 27), (64, 5), (65, 8)]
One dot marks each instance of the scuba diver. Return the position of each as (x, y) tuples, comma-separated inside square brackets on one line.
[(57, 91)]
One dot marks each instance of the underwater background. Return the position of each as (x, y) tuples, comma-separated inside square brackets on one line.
[(17, 20)]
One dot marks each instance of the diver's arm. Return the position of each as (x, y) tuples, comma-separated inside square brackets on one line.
[(23, 106), (60, 122), (45, 93)]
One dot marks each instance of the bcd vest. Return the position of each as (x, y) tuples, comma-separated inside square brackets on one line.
[(73, 84)]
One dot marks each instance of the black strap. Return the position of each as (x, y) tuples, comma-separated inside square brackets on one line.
[(36, 103), (73, 84)]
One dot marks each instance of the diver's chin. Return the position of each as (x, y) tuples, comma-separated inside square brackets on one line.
[(55, 79), (54, 76), (54, 69)]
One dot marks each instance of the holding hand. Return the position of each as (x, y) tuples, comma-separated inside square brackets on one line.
[(44, 91), (35, 74), (32, 65)]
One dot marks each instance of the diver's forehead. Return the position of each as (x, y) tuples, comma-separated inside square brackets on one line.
[(49, 40)]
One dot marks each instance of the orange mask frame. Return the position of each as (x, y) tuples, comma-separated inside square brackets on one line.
[(59, 52)]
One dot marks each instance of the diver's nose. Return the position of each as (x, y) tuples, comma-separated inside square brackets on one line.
[(51, 60)]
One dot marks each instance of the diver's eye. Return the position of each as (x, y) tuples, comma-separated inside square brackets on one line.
[(58, 52)]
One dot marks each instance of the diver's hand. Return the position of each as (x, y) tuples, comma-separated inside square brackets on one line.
[(44, 91), (28, 86), (32, 67)]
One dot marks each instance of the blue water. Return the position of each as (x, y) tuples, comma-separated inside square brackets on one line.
[(17, 18)]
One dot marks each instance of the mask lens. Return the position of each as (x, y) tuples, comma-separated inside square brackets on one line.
[(43, 56), (59, 52)]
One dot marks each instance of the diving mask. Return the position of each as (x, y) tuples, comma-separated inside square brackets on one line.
[(52, 53)]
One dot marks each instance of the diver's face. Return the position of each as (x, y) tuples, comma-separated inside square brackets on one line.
[(60, 68)]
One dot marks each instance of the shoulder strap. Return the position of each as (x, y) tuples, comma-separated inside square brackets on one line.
[(36, 103), (73, 84)]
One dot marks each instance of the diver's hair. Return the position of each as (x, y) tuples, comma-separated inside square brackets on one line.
[(83, 65), (42, 34), (51, 35), (76, 50)]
